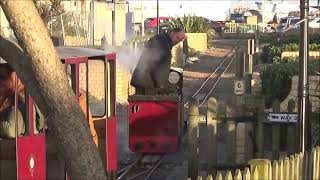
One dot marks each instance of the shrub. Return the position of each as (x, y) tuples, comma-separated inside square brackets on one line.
[(276, 78), (193, 24)]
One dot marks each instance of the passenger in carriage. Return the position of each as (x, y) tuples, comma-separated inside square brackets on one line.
[(8, 79)]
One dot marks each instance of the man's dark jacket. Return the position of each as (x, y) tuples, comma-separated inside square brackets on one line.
[(153, 68)]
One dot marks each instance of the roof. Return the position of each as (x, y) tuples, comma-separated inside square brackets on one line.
[(74, 52)]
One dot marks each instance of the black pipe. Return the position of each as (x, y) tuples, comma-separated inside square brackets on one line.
[(303, 87)]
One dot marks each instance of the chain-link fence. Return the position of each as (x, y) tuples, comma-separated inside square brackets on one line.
[(71, 28)]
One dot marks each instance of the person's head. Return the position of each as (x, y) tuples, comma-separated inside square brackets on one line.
[(8, 79), (177, 34)]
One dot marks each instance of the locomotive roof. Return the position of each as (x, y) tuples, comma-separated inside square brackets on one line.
[(73, 52)]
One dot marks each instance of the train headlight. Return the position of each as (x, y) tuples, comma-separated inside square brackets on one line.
[(174, 77)]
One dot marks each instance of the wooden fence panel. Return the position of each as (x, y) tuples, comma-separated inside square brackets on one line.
[(212, 123), (296, 167), (219, 176), (209, 177), (247, 174), (193, 139), (313, 165), (291, 167), (255, 174), (275, 170), (317, 163), (228, 176), (281, 175), (286, 168), (238, 175)]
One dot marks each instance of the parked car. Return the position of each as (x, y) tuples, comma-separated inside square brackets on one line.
[(150, 24), (288, 22), (314, 22), (217, 26)]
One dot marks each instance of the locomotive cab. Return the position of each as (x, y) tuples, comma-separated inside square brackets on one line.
[(155, 119), (32, 155)]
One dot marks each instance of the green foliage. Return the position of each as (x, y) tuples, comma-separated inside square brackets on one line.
[(272, 53), (276, 81), (190, 24), (193, 24), (277, 38), (276, 78), (49, 8)]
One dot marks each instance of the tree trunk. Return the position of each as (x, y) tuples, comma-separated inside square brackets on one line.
[(42, 73)]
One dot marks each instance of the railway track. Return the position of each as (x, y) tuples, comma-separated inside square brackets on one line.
[(207, 87), (141, 169)]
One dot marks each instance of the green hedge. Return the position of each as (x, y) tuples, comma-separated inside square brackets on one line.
[(277, 78), (272, 53)]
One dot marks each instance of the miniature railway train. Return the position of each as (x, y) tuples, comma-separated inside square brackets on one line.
[(34, 155), (154, 120)]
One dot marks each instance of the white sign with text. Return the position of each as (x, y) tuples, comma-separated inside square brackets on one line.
[(282, 117)]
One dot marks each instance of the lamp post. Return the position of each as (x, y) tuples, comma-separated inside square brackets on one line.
[(113, 22), (158, 21), (303, 88)]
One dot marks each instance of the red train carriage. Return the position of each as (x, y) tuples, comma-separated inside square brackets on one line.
[(32, 155), (155, 120)]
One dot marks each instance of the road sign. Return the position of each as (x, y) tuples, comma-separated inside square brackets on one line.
[(282, 117), (239, 87)]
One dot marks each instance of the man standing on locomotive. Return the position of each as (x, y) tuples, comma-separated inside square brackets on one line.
[(153, 68)]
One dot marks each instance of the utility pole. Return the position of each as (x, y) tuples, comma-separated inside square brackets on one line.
[(303, 88), (113, 22), (158, 21)]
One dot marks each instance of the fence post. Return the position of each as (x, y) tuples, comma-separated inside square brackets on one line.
[(193, 139), (275, 170), (262, 166), (259, 131), (291, 129), (212, 123), (246, 174), (275, 132)]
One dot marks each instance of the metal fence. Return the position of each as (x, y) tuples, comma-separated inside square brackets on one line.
[(242, 28), (71, 28)]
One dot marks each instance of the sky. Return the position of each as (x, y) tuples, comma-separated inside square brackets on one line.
[(214, 9)]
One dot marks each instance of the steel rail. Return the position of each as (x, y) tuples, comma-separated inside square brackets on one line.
[(130, 167), (216, 82), (213, 73)]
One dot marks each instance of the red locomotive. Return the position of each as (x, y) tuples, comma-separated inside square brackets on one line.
[(155, 120), (32, 155)]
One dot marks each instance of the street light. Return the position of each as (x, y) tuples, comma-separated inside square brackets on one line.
[(158, 21)]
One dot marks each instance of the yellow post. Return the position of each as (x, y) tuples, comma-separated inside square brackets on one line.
[(262, 166), (296, 167), (318, 161), (246, 175), (286, 168), (281, 177), (228, 176), (255, 174), (219, 176), (291, 166), (209, 177), (199, 178), (193, 139), (275, 170), (238, 175), (314, 165)]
